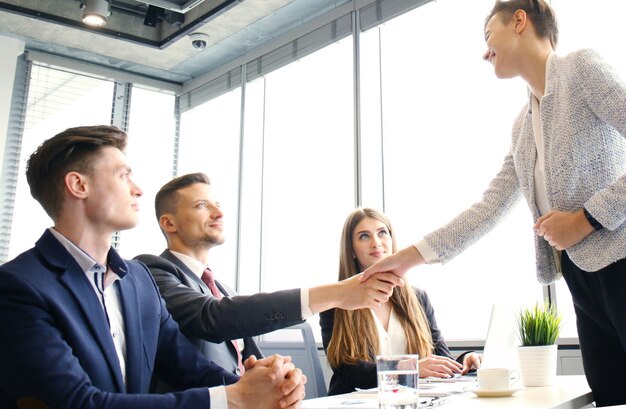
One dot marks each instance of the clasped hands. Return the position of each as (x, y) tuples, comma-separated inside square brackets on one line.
[(269, 383)]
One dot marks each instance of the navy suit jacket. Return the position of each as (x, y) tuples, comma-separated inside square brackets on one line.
[(56, 348), (210, 324)]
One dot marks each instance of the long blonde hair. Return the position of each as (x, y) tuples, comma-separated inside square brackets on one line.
[(354, 332)]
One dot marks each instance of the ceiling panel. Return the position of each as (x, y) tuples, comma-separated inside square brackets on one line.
[(164, 51)]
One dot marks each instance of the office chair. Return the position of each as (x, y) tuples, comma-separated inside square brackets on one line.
[(304, 355)]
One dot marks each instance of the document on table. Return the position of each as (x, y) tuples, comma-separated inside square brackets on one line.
[(432, 392), (438, 387), (361, 400)]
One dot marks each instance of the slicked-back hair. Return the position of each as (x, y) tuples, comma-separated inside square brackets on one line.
[(538, 11), (354, 332), (73, 150), (167, 197)]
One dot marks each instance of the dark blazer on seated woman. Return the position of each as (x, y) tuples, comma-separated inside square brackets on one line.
[(363, 374)]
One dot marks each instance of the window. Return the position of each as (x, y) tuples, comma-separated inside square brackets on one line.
[(446, 127), (150, 152), (308, 171), (209, 143), (57, 100)]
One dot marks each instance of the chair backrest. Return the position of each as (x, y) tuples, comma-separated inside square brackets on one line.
[(304, 355)]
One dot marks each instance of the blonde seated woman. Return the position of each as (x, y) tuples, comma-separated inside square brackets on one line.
[(404, 324)]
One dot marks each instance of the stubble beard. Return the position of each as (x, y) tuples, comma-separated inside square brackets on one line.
[(209, 242)]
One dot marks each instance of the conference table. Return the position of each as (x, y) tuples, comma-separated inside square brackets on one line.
[(567, 392)]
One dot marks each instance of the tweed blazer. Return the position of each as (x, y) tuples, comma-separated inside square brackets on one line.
[(584, 123)]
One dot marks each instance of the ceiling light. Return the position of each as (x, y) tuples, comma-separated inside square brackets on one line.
[(95, 12)]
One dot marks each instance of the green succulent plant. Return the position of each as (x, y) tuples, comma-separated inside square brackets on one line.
[(539, 325)]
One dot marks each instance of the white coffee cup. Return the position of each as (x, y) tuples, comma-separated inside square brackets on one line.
[(496, 379)]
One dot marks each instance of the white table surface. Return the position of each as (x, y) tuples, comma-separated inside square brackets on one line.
[(568, 392)]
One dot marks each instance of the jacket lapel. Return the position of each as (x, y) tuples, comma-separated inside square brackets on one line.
[(85, 298), (133, 332), (201, 286), (185, 270)]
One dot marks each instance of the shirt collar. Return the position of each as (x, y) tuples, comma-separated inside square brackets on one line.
[(549, 80), (115, 262), (194, 265)]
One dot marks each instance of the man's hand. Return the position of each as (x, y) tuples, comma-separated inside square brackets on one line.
[(562, 230), (439, 367), (398, 263), (269, 383), (369, 294), (293, 388), (352, 294)]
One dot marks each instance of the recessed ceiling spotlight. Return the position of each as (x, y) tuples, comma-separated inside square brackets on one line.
[(95, 12)]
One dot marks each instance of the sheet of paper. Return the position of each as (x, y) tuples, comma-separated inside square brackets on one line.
[(367, 403)]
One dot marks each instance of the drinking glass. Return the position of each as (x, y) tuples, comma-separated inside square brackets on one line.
[(398, 381)]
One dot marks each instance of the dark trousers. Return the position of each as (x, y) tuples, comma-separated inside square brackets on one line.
[(600, 304)]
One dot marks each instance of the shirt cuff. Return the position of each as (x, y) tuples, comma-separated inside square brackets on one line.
[(218, 397), (304, 303), (427, 252), (592, 221)]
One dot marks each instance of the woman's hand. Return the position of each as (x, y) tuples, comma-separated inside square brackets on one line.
[(439, 367), (471, 361), (562, 230), (398, 263)]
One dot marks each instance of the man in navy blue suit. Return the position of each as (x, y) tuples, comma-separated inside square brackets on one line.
[(83, 328)]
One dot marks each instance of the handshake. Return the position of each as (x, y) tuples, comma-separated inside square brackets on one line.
[(269, 383)]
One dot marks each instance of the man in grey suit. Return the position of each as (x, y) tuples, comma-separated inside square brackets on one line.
[(191, 220)]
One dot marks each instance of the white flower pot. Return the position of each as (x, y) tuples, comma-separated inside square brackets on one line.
[(537, 364)]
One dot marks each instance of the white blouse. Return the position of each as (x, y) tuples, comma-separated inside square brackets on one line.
[(392, 341)]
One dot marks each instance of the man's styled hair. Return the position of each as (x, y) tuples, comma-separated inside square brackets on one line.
[(71, 150), (166, 198), (538, 11)]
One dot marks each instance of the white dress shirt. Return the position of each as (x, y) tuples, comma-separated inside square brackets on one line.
[(109, 299), (101, 279)]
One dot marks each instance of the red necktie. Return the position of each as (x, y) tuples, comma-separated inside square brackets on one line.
[(209, 280)]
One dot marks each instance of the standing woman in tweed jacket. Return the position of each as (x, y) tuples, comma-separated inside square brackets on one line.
[(568, 160)]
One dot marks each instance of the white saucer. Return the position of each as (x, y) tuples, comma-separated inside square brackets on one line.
[(505, 392)]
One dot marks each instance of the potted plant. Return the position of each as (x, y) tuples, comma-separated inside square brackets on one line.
[(538, 330)]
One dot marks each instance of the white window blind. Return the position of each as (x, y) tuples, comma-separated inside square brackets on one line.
[(46, 101), (10, 162)]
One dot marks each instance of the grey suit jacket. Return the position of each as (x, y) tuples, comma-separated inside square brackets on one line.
[(209, 322)]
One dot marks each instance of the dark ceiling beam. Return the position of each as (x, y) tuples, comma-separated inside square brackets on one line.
[(159, 43), (78, 24)]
